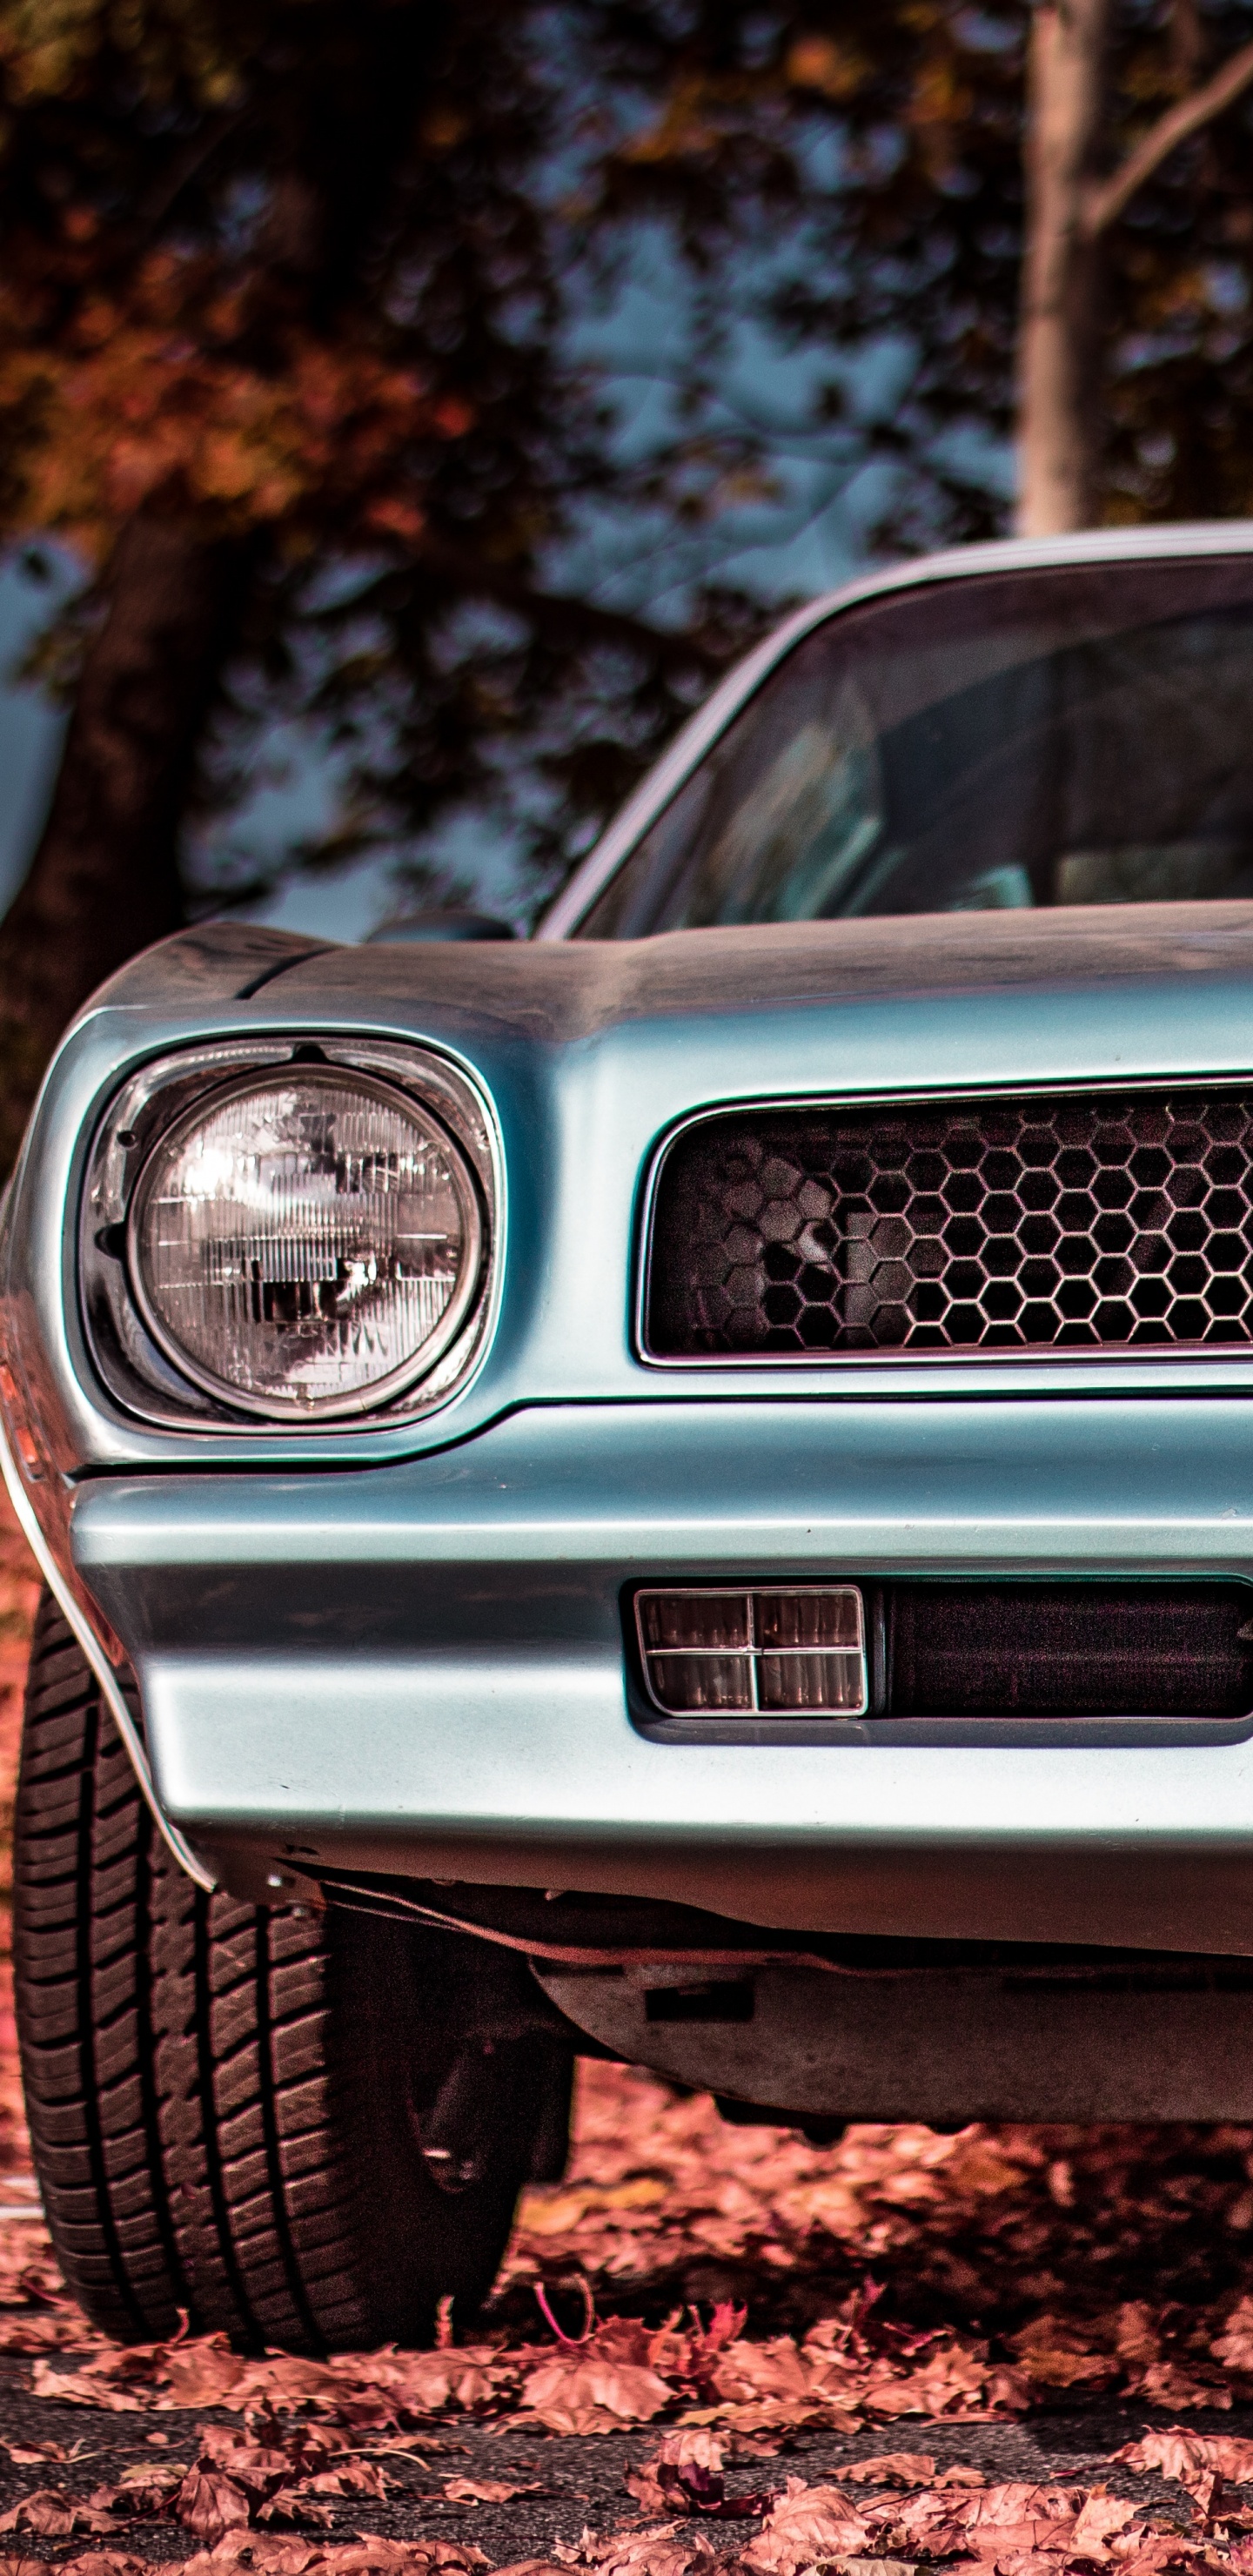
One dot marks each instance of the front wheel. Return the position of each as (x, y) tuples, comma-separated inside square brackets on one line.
[(237, 2113)]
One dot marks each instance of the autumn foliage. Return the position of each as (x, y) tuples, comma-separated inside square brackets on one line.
[(308, 320), (152, 401), (177, 364)]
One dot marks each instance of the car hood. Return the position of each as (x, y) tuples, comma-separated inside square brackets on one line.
[(563, 992)]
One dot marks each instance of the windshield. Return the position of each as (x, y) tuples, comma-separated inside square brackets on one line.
[(1071, 736)]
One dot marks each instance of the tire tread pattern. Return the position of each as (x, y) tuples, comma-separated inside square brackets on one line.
[(204, 2078)]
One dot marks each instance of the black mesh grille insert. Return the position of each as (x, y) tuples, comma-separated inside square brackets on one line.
[(1094, 1218), (1069, 1649)]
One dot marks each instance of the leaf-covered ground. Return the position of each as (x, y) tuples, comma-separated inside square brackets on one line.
[(1011, 2349)]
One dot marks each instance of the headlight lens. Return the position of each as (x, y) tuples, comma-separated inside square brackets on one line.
[(307, 1241)]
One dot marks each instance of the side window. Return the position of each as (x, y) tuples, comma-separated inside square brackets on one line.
[(799, 829), (639, 898), (775, 823), (1077, 735)]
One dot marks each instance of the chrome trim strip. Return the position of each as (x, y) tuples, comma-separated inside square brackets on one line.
[(101, 1667), (1008, 554), (1014, 1355)]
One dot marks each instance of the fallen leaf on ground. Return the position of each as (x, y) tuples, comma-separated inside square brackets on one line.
[(32, 2455), (486, 2490), (1190, 2457), (209, 2503), (55, 2515), (89, 2562), (1234, 2345), (598, 2386), (807, 2524), (666, 2550), (891, 2468), (269, 2555), (686, 2472)]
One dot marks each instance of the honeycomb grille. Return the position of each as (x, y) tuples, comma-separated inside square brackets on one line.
[(1088, 1220)]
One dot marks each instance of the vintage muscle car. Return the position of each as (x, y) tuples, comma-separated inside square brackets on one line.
[(680, 1490)]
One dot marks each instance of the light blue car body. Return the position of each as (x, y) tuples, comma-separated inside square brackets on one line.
[(399, 1648)]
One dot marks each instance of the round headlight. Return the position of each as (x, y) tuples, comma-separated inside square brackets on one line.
[(305, 1241)]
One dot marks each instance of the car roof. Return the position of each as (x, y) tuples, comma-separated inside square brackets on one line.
[(1186, 540)]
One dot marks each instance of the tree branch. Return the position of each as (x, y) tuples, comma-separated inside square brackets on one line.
[(1107, 202), (551, 612)]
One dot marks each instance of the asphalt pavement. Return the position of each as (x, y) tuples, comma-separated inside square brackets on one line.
[(573, 2481)]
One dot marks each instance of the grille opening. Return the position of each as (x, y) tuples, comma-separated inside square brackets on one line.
[(1076, 1221), (933, 1648), (1069, 1649)]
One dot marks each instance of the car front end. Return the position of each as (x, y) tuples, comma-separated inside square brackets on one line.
[(765, 1539)]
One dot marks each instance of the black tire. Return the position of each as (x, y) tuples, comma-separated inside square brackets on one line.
[(226, 2103)]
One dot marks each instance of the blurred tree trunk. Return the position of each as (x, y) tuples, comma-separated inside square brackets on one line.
[(342, 111), (105, 878), (1069, 211), (1059, 403)]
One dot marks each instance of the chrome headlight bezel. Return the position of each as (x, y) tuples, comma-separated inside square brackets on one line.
[(141, 1367)]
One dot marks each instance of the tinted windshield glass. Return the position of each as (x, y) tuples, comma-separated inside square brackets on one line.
[(1054, 737)]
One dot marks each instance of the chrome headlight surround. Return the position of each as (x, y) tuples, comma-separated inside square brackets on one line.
[(141, 1366)]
